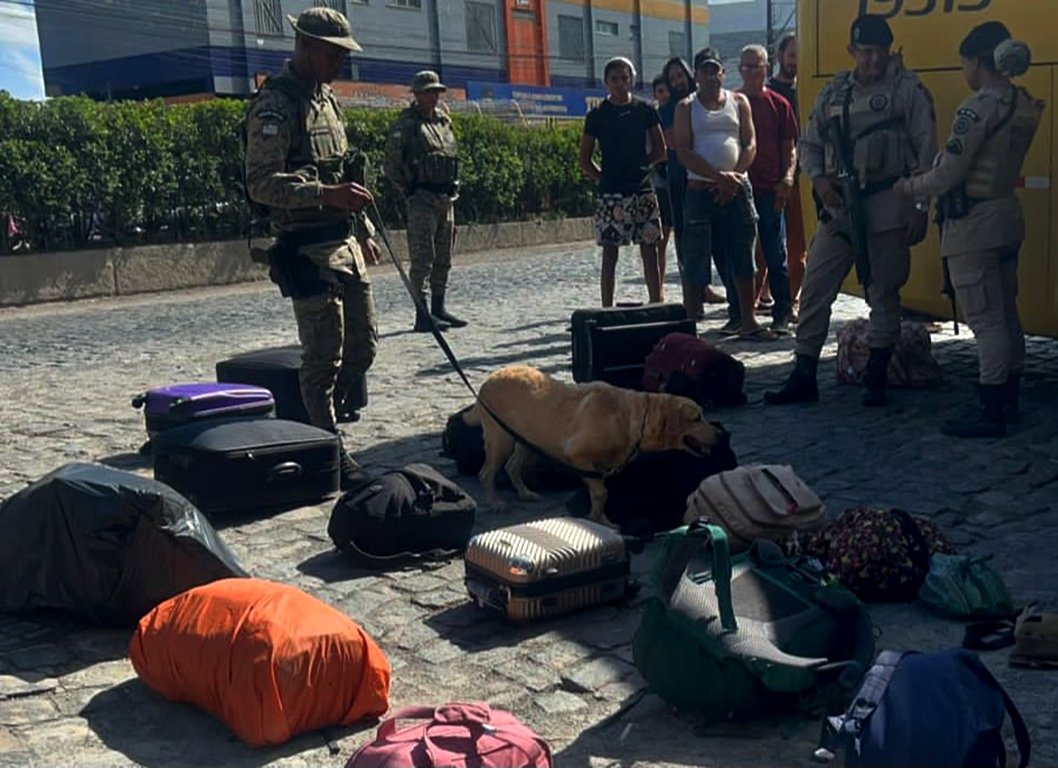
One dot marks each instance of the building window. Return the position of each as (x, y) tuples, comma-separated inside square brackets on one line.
[(609, 28), (677, 43), (415, 5), (481, 27), (337, 5), (571, 37), (269, 15)]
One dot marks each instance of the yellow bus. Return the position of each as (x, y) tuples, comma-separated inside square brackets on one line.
[(929, 33)]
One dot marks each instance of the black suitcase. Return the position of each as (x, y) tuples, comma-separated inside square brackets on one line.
[(277, 370), (612, 344), (234, 464)]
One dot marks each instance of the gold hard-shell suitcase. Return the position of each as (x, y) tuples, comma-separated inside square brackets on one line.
[(546, 568)]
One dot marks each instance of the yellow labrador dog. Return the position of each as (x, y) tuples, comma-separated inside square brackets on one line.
[(594, 427)]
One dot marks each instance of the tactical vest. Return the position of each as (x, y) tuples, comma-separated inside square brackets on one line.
[(432, 152), (318, 146), (996, 168), (874, 119)]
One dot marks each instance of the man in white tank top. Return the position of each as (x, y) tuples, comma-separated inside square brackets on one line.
[(716, 144)]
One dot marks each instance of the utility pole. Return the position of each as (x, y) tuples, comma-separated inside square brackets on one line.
[(781, 18)]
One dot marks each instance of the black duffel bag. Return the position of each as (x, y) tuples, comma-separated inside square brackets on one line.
[(414, 513), (465, 444), (650, 494)]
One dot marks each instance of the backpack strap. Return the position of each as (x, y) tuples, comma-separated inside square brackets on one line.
[(1021, 731), (1017, 722), (715, 538), (863, 706)]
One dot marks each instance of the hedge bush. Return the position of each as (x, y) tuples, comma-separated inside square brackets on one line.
[(79, 173)]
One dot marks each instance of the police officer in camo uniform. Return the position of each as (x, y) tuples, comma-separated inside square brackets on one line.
[(423, 161), (982, 223), (296, 150), (886, 114)]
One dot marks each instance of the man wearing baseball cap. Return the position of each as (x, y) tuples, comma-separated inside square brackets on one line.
[(882, 115), (422, 160), (296, 174)]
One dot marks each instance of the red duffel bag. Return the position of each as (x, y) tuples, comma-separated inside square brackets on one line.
[(682, 364), (457, 734)]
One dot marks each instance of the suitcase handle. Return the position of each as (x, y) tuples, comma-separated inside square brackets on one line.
[(286, 469)]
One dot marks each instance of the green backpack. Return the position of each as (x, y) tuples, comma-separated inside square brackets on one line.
[(749, 636)]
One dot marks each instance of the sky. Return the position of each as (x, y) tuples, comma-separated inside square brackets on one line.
[(20, 73)]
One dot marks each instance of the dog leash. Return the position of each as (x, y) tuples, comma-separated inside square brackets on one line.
[(420, 306)]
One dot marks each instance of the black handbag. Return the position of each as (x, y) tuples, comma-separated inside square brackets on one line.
[(414, 513)]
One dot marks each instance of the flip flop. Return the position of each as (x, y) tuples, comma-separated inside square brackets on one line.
[(989, 635), (759, 335), (1035, 640)]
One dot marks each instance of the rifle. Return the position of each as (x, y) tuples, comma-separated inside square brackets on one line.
[(849, 180), (949, 291)]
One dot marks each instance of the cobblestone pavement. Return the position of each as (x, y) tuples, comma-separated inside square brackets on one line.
[(69, 696)]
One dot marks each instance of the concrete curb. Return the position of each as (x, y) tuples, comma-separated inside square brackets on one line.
[(73, 275)]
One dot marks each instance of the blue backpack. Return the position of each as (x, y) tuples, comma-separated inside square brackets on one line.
[(932, 710)]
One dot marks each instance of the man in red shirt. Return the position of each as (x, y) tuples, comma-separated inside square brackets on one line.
[(772, 175)]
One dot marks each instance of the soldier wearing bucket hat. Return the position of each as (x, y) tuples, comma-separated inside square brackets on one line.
[(422, 159), (323, 238)]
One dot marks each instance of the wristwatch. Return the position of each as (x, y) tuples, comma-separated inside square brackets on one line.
[(922, 206)]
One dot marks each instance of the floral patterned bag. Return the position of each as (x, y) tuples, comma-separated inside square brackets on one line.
[(880, 555)]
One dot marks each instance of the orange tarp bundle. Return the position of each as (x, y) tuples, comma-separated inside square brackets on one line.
[(269, 660)]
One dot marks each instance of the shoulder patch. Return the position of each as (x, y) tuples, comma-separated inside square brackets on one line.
[(878, 102), (961, 126), (271, 115), (969, 114), (954, 147), (270, 130)]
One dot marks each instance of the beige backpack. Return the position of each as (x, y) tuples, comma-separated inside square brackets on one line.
[(757, 501)]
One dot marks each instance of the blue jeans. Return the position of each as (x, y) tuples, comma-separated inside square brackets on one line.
[(677, 177), (771, 227)]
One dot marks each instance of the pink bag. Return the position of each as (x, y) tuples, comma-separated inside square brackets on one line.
[(458, 734)]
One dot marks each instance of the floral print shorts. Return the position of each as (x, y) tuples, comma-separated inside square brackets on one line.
[(627, 219)]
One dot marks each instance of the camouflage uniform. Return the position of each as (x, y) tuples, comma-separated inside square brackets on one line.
[(423, 161), (296, 143)]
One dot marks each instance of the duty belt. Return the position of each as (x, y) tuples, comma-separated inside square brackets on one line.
[(328, 233)]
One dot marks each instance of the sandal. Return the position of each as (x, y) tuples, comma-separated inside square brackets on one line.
[(759, 334), (1035, 640), (989, 635)]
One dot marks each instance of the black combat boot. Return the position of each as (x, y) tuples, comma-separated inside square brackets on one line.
[(350, 474), (349, 399), (876, 376), (990, 421), (1012, 412), (422, 321), (801, 385), (437, 309)]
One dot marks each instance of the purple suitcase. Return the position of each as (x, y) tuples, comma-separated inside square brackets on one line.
[(177, 404)]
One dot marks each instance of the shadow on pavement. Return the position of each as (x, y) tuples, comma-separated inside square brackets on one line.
[(38, 645), (493, 361), (151, 731)]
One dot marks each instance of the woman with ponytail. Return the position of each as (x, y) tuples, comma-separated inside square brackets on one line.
[(982, 225)]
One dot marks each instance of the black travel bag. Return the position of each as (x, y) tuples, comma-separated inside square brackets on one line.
[(278, 369), (234, 464), (650, 494), (612, 344), (408, 514)]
